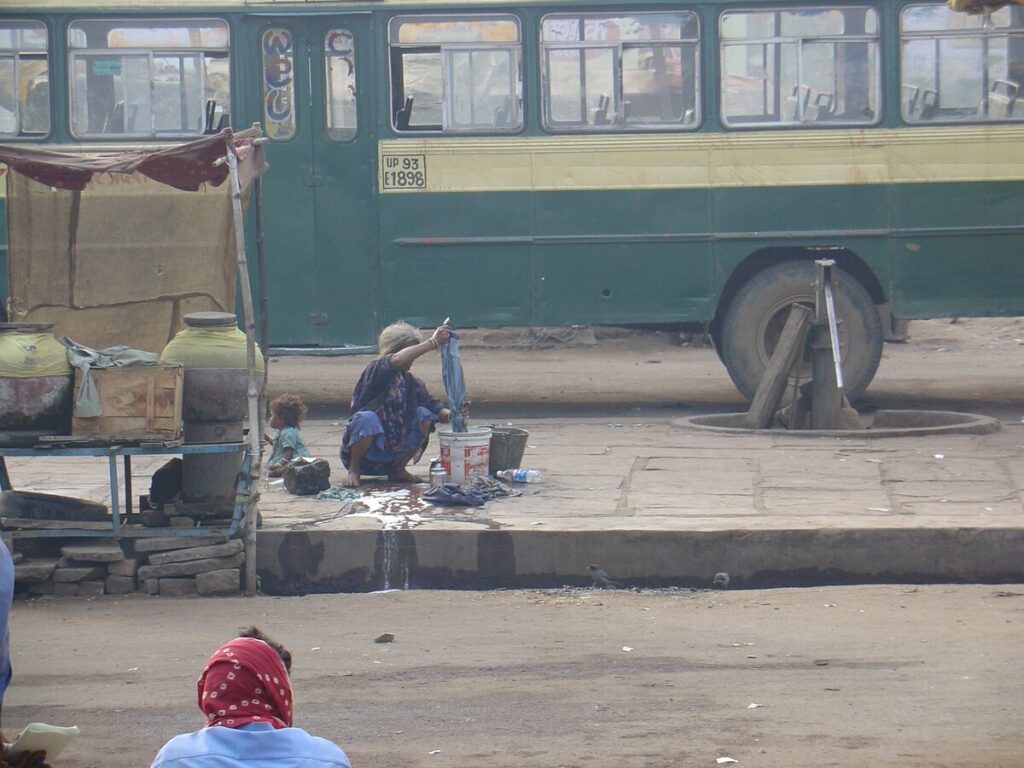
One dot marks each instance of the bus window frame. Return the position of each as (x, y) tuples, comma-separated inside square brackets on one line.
[(263, 84), (326, 82), (395, 51), (935, 35), (618, 46), (15, 55), (878, 80), (72, 54)]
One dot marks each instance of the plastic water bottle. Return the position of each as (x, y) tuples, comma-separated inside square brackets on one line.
[(518, 475)]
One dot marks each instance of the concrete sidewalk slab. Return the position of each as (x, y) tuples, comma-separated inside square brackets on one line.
[(651, 502)]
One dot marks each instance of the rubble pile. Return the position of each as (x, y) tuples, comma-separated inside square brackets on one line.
[(167, 566)]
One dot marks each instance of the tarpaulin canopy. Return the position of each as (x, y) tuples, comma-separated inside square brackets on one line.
[(186, 167), (116, 249), (981, 6)]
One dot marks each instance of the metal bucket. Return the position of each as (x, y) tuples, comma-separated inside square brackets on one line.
[(507, 447)]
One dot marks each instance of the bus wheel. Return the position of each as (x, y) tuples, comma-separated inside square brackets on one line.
[(758, 311)]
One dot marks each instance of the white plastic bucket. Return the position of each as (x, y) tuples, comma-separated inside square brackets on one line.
[(465, 455)]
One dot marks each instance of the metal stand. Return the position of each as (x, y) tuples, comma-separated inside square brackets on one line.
[(242, 494), (828, 407)]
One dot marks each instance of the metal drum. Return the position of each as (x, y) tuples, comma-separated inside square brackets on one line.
[(36, 383), (214, 401)]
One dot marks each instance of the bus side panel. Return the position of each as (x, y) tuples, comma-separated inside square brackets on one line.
[(623, 256), (752, 219), (463, 255), (941, 266)]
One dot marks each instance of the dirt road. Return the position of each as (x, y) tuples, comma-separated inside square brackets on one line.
[(851, 677), (944, 365)]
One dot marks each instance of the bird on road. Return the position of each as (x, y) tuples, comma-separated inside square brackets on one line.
[(601, 578), (721, 581)]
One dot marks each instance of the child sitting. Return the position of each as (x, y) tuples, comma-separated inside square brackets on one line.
[(286, 413)]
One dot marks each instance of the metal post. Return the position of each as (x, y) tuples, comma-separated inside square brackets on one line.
[(826, 400)]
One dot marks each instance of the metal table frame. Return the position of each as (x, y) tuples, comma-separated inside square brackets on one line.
[(243, 496)]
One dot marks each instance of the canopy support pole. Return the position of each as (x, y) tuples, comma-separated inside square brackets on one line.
[(255, 422)]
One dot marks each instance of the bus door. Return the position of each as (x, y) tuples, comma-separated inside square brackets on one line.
[(313, 79)]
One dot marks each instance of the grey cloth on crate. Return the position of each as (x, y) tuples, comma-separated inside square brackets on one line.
[(87, 404)]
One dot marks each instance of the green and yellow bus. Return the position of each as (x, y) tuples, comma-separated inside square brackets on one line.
[(574, 162)]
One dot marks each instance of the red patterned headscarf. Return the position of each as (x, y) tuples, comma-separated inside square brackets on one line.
[(245, 681)]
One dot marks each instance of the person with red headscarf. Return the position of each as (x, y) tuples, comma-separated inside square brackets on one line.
[(246, 695)]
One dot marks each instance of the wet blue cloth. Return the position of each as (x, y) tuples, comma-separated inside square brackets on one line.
[(452, 495), (454, 383), (378, 460)]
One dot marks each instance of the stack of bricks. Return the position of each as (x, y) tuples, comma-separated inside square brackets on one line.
[(207, 565), (169, 565)]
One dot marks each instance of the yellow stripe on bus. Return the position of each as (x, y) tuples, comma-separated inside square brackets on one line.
[(702, 160)]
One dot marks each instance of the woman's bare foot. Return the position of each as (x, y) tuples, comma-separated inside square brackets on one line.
[(404, 476), (351, 480)]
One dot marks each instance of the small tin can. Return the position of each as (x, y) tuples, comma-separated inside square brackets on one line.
[(438, 476)]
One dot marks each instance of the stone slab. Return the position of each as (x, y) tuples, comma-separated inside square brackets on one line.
[(226, 582), (190, 568), (34, 571), (65, 589), (90, 588), (120, 585), (151, 586), (227, 549), (181, 522), (79, 574), (97, 552), (127, 567), (44, 588), (163, 543), (177, 587)]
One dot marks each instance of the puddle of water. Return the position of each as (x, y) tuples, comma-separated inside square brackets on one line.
[(395, 508)]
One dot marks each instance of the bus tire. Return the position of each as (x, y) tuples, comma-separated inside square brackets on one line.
[(758, 312)]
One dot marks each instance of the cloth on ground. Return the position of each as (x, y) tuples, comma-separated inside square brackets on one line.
[(454, 382), (337, 493), (87, 404), (453, 495), (494, 488)]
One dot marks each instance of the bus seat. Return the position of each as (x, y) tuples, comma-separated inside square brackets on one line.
[(929, 104), (402, 115), (599, 114), (910, 105), (115, 119), (821, 108), (796, 103), (1002, 99), (503, 114)]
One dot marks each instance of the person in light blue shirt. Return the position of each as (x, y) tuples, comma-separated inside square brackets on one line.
[(245, 694), (286, 414), (6, 598)]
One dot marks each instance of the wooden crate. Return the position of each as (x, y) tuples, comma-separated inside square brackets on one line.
[(138, 401)]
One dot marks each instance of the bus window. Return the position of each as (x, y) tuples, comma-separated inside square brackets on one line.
[(799, 67), (456, 74), (340, 84), (278, 46), (24, 79), (958, 67), (148, 78), (621, 72)]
